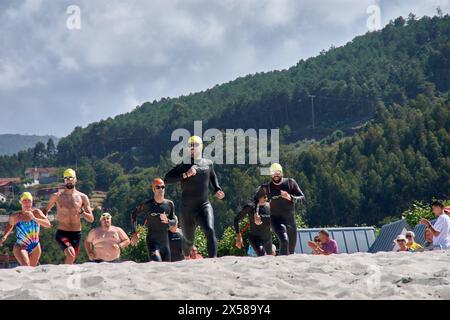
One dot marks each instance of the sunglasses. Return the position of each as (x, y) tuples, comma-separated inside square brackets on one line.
[(408, 236), (160, 187), (401, 240)]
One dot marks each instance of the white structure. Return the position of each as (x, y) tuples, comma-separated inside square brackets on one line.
[(32, 184), (40, 173)]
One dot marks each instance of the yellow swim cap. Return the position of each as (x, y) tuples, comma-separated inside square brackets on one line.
[(70, 173), (195, 139), (26, 196), (276, 167), (105, 215)]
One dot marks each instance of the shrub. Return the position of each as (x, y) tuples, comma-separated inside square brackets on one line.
[(227, 245), (137, 253), (418, 211)]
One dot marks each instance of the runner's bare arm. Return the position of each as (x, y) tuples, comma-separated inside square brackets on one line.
[(88, 215), (88, 244), (124, 240), (51, 203), (9, 227)]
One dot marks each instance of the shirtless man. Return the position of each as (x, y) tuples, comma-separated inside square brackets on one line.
[(71, 205), (106, 240)]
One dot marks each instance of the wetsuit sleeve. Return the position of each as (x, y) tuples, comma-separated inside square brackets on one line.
[(213, 179), (295, 192), (172, 217), (174, 175), (139, 209), (245, 210)]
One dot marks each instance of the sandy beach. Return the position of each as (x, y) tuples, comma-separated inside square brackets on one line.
[(356, 276)]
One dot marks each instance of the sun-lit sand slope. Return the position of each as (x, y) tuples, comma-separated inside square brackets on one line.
[(356, 276)]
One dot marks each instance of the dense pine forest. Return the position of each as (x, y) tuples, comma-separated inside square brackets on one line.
[(381, 138)]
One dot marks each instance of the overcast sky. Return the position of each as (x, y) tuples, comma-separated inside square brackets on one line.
[(53, 78)]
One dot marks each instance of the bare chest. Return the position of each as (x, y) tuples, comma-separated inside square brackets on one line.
[(70, 203), (106, 236)]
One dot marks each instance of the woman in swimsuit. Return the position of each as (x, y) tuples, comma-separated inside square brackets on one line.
[(27, 249)]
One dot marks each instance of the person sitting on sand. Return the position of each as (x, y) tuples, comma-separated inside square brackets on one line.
[(106, 240), (411, 243), (194, 254), (27, 222), (441, 228), (314, 244), (401, 242), (327, 245)]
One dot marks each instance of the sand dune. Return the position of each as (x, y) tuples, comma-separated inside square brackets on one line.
[(357, 276)]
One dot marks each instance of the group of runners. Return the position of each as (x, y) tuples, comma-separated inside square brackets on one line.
[(271, 209)]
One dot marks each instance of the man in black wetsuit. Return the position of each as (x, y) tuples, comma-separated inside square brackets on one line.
[(196, 209), (282, 194), (160, 216), (259, 236), (176, 243)]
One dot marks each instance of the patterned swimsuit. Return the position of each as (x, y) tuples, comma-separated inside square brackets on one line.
[(27, 235)]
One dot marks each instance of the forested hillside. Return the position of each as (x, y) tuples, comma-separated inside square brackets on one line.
[(395, 64), (381, 138)]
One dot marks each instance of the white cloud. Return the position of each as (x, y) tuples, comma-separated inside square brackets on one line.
[(129, 52), (69, 63)]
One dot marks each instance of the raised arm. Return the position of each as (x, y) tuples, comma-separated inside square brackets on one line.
[(51, 204), (41, 218), (174, 175), (88, 215)]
